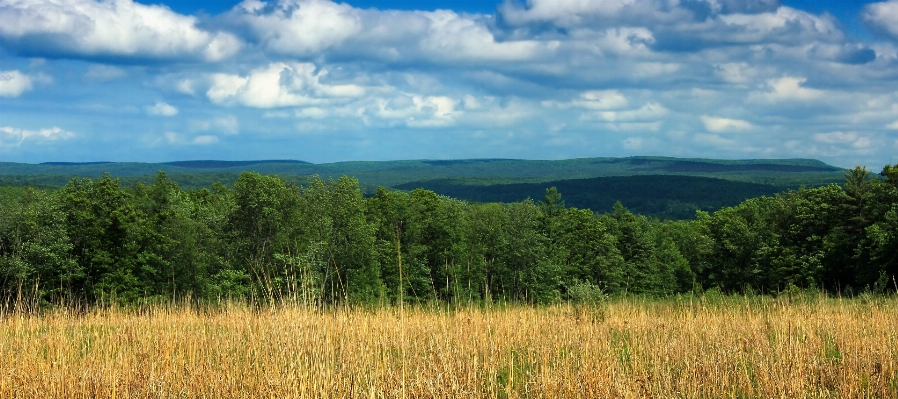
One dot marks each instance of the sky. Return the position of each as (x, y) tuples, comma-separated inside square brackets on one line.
[(325, 81)]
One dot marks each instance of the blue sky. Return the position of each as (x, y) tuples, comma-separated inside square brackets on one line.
[(323, 81)]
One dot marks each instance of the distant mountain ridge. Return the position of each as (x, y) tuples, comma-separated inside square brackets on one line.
[(74, 163), (213, 164)]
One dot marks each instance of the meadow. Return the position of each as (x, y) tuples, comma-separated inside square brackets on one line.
[(685, 347)]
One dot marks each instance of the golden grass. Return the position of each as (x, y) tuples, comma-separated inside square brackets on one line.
[(733, 348)]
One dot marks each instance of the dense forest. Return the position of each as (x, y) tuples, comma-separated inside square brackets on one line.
[(98, 241), (662, 196)]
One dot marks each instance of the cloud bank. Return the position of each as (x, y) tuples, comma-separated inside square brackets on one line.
[(534, 79)]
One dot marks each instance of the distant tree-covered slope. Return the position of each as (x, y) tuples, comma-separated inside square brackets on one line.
[(783, 172), (665, 196)]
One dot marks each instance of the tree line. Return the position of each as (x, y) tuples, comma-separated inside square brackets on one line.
[(97, 241)]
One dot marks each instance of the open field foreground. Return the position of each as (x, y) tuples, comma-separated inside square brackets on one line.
[(726, 347)]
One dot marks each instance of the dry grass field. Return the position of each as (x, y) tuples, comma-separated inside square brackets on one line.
[(691, 348)]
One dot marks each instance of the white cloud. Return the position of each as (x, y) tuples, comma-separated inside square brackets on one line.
[(279, 85), (624, 40), (451, 36), (117, 28), (788, 89), (842, 139), (777, 26), (13, 137), (566, 72), (883, 16), (718, 125), (14, 83), (162, 109), (306, 28), (419, 111), (299, 27)]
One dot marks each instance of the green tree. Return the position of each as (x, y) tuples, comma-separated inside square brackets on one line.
[(742, 240), (35, 252), (529, 274), (264, 209), (589, 251), (106, 238)]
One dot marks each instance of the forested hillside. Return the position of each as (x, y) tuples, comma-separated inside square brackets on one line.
[(97, 240), (663, 196), (668, 188)]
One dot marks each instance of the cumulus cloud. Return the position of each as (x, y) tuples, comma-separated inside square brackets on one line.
[(308, 28), (717, 125), (453, 36), (279, 84), (14, 137), (299, 27), (788, 88), (418, 111), (785, 24), (162, 109), (883, 17), (108, 28), (14, 83)]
